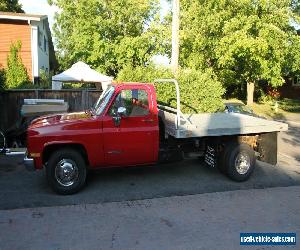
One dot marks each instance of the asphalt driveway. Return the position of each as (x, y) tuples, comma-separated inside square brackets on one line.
[(22, 189)]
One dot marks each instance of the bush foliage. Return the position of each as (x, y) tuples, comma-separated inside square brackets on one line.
[(2, 79), (199, 91), (16, 73)]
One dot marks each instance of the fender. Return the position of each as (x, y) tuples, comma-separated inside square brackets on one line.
[(52, 146)]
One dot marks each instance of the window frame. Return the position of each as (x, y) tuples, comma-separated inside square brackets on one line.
[(296, 82), (129, 89)]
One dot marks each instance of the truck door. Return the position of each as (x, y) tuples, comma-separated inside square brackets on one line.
[(135, 139)]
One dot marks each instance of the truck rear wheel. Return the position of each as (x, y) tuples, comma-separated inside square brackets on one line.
[(66, 171), (238, 161)]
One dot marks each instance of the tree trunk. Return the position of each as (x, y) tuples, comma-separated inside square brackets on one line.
[(175, 37), (250, 93)]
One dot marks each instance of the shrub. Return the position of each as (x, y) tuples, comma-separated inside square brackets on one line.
[(2, 79), (45, 81), (16, 73), (143, 74), (199, 91)]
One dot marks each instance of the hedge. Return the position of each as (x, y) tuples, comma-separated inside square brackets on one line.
[(199, 91)]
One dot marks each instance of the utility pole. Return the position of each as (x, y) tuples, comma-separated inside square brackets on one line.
[(175, 37)]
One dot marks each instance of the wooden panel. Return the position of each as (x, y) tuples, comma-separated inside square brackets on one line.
[(12, 32)]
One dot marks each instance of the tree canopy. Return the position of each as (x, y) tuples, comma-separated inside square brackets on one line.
[(11, 6), (241, 42), (244, 41), (108, 34)]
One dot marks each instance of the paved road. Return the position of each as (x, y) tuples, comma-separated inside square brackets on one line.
[(172, 206), (205, 221), (289, 142), (20, 189)]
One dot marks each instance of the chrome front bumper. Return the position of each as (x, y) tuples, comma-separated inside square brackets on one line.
[(29, 163)]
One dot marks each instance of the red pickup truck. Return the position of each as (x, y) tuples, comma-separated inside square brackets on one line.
[(126, 127)]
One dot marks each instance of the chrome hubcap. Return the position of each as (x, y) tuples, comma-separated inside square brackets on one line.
[(66, 172), (242, 163)]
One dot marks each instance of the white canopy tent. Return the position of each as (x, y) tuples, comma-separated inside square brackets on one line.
[(80, 72)]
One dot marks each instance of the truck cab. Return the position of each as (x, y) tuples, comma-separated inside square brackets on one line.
[(120, 130)]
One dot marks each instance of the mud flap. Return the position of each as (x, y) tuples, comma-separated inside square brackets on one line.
[(210, 156), (267, 148)]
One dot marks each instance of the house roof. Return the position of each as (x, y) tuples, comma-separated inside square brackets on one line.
[(21, 16)]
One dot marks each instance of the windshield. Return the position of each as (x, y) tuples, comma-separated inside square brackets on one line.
[(237, 108), (103, 100), (243, 108)]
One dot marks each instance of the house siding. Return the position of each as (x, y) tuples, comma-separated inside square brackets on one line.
[(287, 90), (42, 53), (12, 31)]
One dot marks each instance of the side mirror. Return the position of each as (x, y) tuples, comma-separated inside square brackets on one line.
[(122, 111), (117, 118)]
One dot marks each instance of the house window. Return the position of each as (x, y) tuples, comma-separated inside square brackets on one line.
[(45, 44), (40, 38), (296, 82)]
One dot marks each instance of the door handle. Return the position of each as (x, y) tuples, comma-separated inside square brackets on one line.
[(148, 120)]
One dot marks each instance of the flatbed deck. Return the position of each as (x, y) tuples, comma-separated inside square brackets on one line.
[(217, 124)]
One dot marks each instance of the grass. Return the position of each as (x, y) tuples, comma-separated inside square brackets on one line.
[(267, 110), (290, 105)]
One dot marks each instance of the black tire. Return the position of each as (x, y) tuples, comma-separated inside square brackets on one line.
[(229, 164), (66, 159)]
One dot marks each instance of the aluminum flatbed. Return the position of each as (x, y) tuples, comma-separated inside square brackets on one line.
[(216, 124), (181, 125)]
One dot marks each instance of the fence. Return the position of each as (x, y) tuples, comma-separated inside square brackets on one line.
[(12, 100)]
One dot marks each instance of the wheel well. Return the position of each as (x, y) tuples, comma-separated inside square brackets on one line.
[(50, 149), (250, 140)]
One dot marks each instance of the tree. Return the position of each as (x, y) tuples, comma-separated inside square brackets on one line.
[(108, 34), (242, 41), (11, 6), (16, 73), (175, 36)]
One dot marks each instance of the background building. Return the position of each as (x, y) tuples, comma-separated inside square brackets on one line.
[(33, 31)]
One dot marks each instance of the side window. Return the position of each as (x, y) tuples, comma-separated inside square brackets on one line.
[(134, 100)]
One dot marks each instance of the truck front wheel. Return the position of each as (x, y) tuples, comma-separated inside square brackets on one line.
[(239, 161), (66, 171)]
